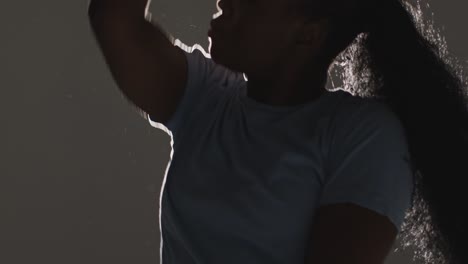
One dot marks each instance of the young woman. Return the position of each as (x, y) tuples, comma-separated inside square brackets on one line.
[(271, 167)]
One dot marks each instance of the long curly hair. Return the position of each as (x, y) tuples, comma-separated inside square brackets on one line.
[(384, 49)]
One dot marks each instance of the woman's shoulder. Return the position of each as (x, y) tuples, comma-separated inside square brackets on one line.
[(354, 109)]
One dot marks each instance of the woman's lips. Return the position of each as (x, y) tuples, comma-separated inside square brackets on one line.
[(215, 24), (222, 21)]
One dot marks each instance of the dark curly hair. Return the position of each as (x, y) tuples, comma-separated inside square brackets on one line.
[(384, 49)]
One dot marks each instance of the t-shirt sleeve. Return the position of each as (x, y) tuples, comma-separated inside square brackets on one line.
[(368, 162), (204, 75)]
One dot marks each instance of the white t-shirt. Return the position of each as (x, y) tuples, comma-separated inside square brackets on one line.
[(245, 178)]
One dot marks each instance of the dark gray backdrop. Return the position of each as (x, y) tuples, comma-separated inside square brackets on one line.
[(80, 170)]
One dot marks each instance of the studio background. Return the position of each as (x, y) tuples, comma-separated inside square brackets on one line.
[(80, 170)]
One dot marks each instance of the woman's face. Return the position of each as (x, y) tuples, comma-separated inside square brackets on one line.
[(253, 35)]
